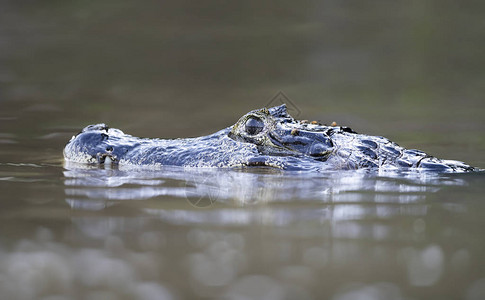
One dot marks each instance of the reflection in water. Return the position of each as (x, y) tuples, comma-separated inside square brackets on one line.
[(314, 223), (335, 196), (176, 233)]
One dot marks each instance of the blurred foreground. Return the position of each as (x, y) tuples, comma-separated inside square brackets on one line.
[(241, 234)]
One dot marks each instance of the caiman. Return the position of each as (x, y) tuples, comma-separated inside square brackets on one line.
[(263, 137)]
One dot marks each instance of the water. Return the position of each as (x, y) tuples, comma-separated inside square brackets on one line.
[(412, 72), (91, 232)]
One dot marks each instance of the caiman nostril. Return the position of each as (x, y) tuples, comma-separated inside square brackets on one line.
[(109, 149)]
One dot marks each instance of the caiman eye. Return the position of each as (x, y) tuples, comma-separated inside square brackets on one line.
[(254, 126)]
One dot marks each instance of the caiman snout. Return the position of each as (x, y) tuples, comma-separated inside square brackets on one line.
[(96, 144)]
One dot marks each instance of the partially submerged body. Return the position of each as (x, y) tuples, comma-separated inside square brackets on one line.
[(264, 137)]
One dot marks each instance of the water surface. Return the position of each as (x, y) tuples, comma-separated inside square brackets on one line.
[(174, 233)]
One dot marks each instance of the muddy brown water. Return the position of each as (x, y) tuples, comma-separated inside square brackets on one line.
[(413, 72)]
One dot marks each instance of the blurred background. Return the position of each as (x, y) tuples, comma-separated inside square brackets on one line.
[(412, 71)]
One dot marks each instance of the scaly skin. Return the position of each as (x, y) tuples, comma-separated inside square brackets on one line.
[(264, 137)]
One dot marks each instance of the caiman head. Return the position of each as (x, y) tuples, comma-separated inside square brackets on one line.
[(275, 132), (97, 144)]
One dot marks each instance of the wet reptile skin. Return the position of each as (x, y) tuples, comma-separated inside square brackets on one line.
[(264, 137)]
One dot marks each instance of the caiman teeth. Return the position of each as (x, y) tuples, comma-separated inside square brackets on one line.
[(106, 158)]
